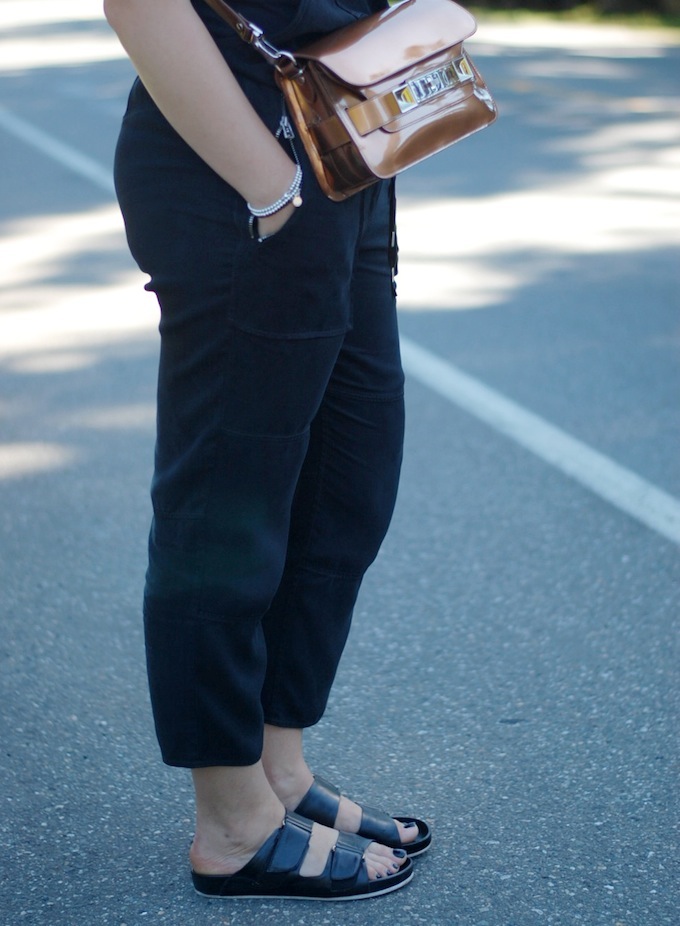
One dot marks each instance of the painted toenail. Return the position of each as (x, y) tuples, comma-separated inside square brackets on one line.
[(409, 826), (400, 853)]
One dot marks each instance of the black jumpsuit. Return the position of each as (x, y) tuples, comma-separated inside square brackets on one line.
[(280, 419)]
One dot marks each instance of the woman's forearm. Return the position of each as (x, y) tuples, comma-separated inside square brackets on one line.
[(192, 85)]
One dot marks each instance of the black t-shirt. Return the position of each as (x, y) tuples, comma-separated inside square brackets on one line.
[(288, 24)]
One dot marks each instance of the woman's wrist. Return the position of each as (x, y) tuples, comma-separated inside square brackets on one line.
[(290, 195), (268, 217), (269, 181)]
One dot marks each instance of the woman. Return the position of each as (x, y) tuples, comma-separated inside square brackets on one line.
[(280, 420)]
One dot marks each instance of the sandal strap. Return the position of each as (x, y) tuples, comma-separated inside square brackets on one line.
[(344, 867), (347, 860), (379, 826), (321, 802), (291, 846)]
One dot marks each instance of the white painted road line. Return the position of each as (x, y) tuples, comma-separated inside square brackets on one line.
[(64, 154), (619, 486), (616, 484)]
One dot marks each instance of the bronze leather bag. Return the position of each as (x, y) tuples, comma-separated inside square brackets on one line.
[(380, 94)]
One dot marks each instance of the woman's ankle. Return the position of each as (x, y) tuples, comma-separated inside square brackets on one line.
[(226, 844), (284, 765), (236, 812)]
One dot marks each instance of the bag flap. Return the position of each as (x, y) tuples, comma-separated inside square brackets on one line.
[(369, 50)]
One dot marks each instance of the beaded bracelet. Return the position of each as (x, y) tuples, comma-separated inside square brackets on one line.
[(292, 195)]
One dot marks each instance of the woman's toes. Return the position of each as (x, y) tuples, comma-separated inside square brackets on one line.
[(382, 862), (408, 832)]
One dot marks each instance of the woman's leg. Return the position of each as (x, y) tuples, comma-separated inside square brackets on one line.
[(250, 334), (346, 491), (343, 505), (225, 477), (236, 811), (247, 349)]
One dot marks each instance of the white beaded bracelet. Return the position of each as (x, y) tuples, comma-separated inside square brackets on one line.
[(292, 195)]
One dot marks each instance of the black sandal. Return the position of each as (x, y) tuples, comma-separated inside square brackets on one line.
[(275, 870), (321, 804)]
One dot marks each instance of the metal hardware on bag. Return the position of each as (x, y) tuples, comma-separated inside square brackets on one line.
[(483, 94), (273, 54), (424, 88), (289, 68)]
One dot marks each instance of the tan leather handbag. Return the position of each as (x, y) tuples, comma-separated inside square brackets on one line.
[(381, 94)]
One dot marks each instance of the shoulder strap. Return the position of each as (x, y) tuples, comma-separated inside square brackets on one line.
[(253, 35), (246, 30)]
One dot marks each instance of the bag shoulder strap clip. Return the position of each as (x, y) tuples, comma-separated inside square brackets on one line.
[(251, 34)]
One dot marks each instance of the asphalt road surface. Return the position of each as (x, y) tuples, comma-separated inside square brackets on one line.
[(512, 673)]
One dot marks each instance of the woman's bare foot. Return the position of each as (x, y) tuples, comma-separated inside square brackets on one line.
[(291, 778), (230, 829)]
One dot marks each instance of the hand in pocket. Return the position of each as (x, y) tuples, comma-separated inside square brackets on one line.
[(272, 224)]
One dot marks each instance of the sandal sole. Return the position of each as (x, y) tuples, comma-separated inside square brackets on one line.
[(264, 895)]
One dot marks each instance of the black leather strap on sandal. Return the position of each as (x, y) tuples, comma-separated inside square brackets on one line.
[(321, 804), (376, 824)]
